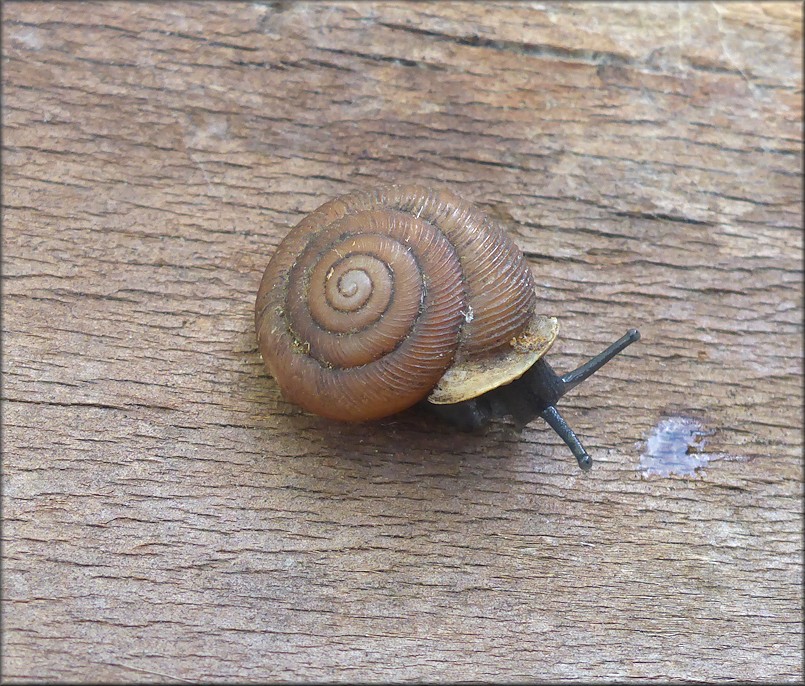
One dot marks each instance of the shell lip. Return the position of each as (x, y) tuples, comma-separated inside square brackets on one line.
[(471, 378)]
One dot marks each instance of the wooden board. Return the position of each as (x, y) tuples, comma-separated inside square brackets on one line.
[(168, 517)]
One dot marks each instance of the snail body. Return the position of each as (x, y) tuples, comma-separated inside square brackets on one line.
[(383, 298)]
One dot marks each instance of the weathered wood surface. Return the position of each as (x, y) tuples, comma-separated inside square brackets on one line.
[(167, 516)]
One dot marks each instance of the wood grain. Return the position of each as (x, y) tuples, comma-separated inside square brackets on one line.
[(168, 517)]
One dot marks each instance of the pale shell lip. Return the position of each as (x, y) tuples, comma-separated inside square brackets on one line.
[(467, 380)]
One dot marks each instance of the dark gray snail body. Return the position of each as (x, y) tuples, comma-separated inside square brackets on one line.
[(384, 298)]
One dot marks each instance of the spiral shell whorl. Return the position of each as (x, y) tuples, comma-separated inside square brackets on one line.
[(370, 299)]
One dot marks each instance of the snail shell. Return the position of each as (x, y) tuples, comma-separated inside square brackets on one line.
[(381, 298)]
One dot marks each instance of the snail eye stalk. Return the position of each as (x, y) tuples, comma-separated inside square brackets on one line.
[(534, 394), (557, 422), (574, 378)]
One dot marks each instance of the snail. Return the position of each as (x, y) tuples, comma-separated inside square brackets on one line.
[(385, 298)]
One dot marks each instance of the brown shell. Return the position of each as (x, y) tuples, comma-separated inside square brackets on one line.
[(370, 299)]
